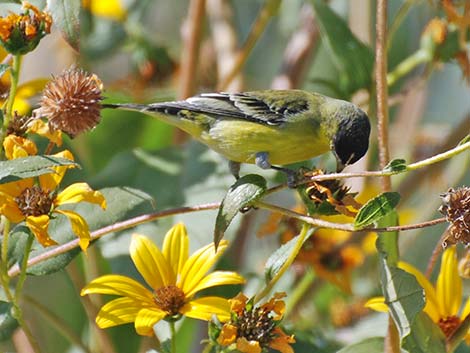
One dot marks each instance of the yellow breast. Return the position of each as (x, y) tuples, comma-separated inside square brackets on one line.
[(239, 141)]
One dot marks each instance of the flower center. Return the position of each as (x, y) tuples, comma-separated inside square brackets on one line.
[(34, 201), (449, 324), (256, 325), (170, 299)]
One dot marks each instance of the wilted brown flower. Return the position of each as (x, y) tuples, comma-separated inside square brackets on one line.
[(20, 34), (253, 329), (71, 102), (332, 192), (456, 209)]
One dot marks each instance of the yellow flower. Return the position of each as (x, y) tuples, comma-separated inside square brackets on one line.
[(111, 9), (174, 278), (24, 201), (18, 147), (444, 301), (252, 329)]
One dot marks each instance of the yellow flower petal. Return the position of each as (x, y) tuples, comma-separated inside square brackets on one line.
[(198, 264), (117, 312), (228, 335), (18, 147), (150, 262), (31, 88), (281, 342), (245, 346), (80, 192), (377, 304), (15, 188), (216, 278), (79, 227), (449, 284), (9, 208), (111, 9), (204, 308), (42, 129), (176, 248), (50, 181), (432, 304), (146, 319), (466, 309), (39, 225), (119, 285)]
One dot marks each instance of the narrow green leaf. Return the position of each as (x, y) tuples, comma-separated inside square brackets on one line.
[(8, 323), (280, 256), (376, 208), (369, 345), (353, 58), (247, 189), (396, 166), (66, 16), (28, 167), (122, 203)]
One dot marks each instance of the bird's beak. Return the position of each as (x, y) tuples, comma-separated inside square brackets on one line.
[(339, 165)]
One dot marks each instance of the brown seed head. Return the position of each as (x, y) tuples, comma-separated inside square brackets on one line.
[(18, 125), (169, 299), (71, 102), (34, 201), (456, 209)]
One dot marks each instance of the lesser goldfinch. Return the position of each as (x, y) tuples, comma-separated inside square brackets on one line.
[(268, 127)]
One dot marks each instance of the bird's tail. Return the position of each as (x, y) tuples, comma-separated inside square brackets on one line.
[(125, 106)]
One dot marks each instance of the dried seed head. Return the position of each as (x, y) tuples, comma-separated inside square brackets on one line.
[(34, 201), (71, 102), (170, 299), (456, 209), (18, 125)]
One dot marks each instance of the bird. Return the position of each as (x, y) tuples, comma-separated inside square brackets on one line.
[(269, 128)]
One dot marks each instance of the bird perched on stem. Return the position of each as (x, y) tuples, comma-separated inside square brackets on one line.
[(268, 128)]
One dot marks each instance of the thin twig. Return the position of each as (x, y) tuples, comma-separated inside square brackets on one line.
[(190, 54), (129, 223), (382, 88), (267, 12)]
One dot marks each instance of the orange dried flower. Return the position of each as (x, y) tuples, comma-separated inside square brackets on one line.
[(71, 102)]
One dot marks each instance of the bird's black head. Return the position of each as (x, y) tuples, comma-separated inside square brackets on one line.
[(351, 140)]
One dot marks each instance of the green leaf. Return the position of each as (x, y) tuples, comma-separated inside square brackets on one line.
[(122, 203), (66, 16), (425, 336), (369, 345), (458, 335), (395, 166), (376, 208), (403, 295), (280, 256), (4, 68), (8, 323), (245, 191), (353, 58), (21, 168), (387, 242)]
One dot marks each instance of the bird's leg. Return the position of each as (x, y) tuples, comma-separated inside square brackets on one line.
[(262, 161), (234, 168)]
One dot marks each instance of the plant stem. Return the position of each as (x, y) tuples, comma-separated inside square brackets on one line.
[(269, 9), (419, 57), (173, 336), (382, 88), (299, 291), (304, 233), (23, 268), (15, 74), (439, 157)]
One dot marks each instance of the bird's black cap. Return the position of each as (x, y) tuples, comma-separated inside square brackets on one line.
[(352, 137)]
